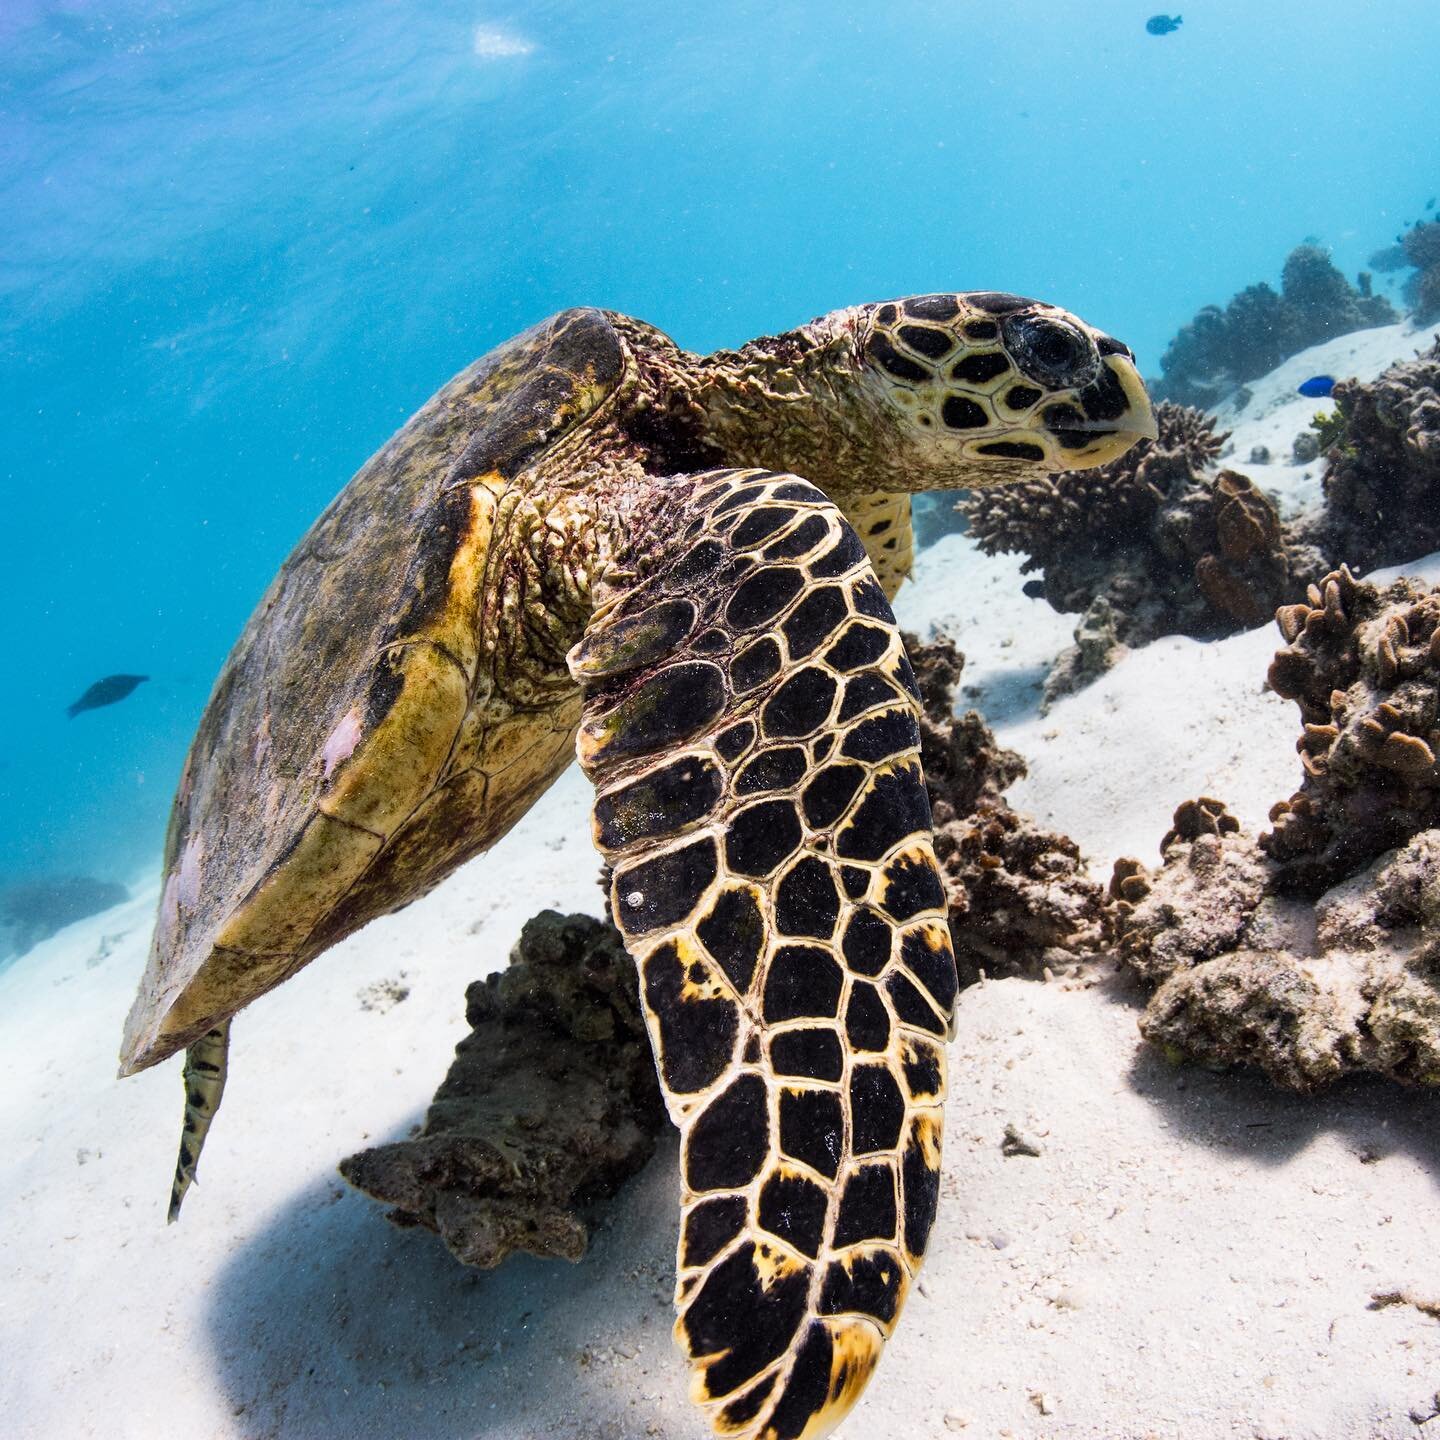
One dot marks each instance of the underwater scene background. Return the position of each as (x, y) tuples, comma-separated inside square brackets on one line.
[(240, 244)]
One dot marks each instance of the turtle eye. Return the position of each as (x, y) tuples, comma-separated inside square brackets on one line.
[(1050, 351)]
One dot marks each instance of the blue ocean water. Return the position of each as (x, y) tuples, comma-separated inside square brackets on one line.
[(239, 244)]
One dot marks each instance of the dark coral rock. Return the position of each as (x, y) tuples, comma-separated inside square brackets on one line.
[(1222, 348), (1097, 648), (1021, 901), (551, 1103), (1167, 546), (1363, 665), (1382, 490)]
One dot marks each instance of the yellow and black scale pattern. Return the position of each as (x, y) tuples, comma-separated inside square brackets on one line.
[(750, 726)]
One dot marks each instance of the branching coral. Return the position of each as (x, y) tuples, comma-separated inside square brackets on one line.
[(1315, 950), (1021, 901), (1222, 348), (1382, 489), (1167, 546), (550, 1104)]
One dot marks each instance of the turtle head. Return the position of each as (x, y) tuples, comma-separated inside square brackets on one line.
[(978, 389)]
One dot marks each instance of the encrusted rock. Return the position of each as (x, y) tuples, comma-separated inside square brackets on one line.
[(551, 1103), (1246, 975), (1382, 490), (1021, 900), (1097, 648), (1151, 544)]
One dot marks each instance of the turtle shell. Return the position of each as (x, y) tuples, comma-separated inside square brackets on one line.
[(335, 714)]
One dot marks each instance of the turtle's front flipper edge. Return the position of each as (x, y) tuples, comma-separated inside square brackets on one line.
[(750, 727), (204, 1078)]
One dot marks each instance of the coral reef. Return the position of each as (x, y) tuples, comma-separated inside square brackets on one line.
[(1151, 544), (1021, 901), (1313, 950), (1220, 349), (551, 1103), (1419, 249), (1382, 488), (33, 910)]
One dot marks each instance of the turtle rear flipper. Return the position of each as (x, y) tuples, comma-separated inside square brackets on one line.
[(750, 726), (206, 1062)]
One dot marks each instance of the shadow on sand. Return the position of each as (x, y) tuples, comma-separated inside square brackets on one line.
[(1243, 1113), (330, 1321), (1004, 695)]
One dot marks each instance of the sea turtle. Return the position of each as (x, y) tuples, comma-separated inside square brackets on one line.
[(686, 562)]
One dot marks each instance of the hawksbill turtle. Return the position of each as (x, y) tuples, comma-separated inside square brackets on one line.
[(681, 567)]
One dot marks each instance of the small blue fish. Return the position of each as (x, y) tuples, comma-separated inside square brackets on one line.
[(1317, 387), (1163, 24)]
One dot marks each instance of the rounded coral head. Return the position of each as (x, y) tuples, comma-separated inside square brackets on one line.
[(980, 388)]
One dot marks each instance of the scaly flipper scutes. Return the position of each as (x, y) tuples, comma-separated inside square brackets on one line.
[(750, 726)]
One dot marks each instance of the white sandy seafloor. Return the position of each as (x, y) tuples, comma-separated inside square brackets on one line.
[(1191, 1255)]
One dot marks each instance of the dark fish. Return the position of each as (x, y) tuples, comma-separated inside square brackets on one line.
[(105, 692), (1317, 387), (1163, 24), (1035, 589)]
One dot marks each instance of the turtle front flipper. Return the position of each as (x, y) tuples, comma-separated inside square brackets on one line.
[(882, 521), (204, 1079), (750, 726)]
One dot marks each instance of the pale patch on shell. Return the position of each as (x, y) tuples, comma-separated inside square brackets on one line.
[(261, 752), (188, 873), (169, 909), (342, 742)]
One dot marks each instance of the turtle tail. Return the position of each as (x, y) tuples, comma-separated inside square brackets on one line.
[(204, 1077)]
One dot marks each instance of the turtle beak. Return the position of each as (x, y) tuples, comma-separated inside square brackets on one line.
[(1139, 420), (1127, 416)]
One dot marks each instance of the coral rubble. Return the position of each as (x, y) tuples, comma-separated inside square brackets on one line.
[(1021, 901), (551, 1103), (1220, 349), (1313, 950), (1382, 488), (1151, 544)]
